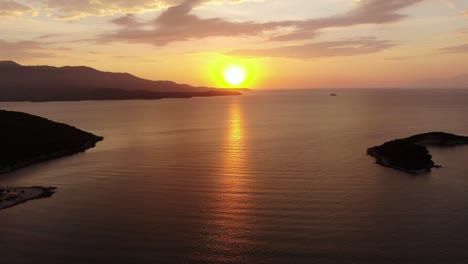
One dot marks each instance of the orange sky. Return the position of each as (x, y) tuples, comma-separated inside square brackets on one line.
[(283, 44)]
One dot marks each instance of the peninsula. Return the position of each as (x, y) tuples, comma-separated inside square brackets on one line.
[(411, 154), (27, 139)]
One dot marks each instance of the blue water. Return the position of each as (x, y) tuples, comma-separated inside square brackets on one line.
[(269, 177)]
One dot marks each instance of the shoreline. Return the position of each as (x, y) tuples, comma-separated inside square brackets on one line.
[(148, 95), (29, 139), (381, 160), (59, 154), (13, 196)]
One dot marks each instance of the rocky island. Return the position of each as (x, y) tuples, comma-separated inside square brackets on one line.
[(411, 154), (27, 139)]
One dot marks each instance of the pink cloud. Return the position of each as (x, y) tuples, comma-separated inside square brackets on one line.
[(22, 49), (72, 9), (456, 49), (319, 49), (177, 23), (11, 8)]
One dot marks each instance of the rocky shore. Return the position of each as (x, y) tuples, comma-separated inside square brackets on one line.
[(10, 197)]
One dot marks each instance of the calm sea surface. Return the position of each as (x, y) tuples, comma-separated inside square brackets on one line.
[(269, 177)]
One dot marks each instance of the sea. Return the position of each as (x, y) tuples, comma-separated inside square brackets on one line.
[(267, 177)]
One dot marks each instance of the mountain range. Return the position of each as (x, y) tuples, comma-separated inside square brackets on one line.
[(73, 83)]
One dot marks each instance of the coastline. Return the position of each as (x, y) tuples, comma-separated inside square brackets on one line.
[(381, 160), (108, 94), (28, 139), (87, 145), (13, 196)]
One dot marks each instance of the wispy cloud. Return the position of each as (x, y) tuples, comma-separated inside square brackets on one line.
[(178, 23), (12, 8), (319, 49), (366, 12), (129, 20), (48, 36), (67, 9), (456, 49), (398, 58), (22, 50), (73, 9)]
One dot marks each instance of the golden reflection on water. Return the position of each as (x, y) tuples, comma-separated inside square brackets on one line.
[(234, 155), (231, 227)]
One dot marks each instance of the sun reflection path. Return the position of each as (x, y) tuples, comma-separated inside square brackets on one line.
[(229, 235), (235, 140)]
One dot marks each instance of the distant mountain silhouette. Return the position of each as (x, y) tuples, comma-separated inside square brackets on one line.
[(46, 83)]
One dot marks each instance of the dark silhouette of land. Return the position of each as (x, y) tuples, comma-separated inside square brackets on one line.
[(46, 83), (411, 154), (27, 139)]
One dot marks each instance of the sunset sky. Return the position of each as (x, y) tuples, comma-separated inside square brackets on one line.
[(282, 44)]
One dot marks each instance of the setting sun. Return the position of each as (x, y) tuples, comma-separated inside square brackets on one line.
[(235, 75)]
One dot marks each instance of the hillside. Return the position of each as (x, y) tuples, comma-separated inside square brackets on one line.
[(46, 83), (28, 139)]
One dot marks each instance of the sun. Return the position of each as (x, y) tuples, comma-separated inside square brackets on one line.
[(235, 75)]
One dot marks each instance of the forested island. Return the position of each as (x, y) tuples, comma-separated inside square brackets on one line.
[(411, 154)]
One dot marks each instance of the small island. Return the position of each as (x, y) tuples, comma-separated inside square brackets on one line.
[(411, 154), (28, 139)]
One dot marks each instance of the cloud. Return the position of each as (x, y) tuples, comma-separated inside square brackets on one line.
[(456, 49), (22, 50), (399, 58), (366, 12), (69, 9), (48, 36), (12, 8), (177, 23), (129, 20), (73, 9), (319, 49)]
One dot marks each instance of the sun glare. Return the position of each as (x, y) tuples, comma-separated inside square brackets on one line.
[(235, 75), (232, 73)]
